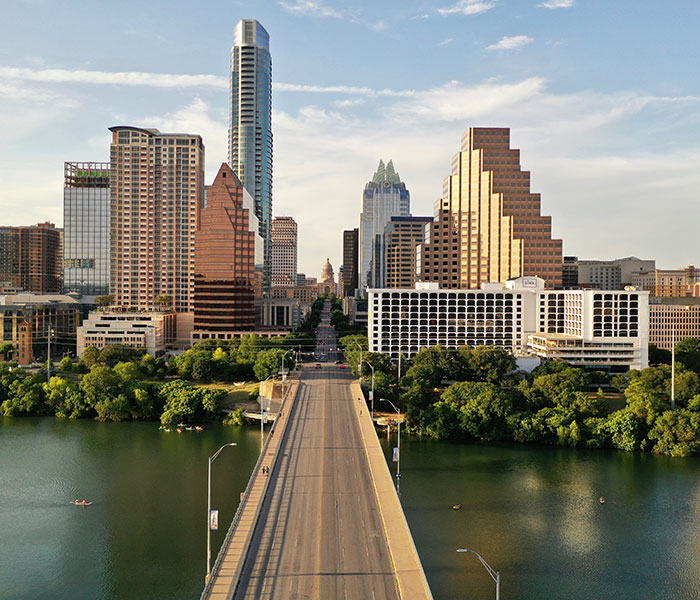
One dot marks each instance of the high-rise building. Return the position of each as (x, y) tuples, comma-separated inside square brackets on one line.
[(385, 196), (668, 283), (402, 235), (611, 274), (224, 299), (284, 251), (350, 258), (250, 123), (156, 194), (30, 258), (86, 228), (488, 226)]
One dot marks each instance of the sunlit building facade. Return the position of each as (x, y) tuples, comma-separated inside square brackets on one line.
[(86, 225)]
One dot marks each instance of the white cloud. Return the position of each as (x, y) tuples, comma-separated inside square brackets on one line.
[(167, 80), (467, 7), (514, 42), (446, 42), (557, 4), (313, 8), (349, 102)]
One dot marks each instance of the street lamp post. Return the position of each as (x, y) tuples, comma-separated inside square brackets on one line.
[(211, 460), (262, 413), (371, 367), (398, 443), (495, 575), (359, 364), (48, 358), (282, 372)]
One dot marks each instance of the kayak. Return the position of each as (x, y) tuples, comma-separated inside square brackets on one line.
[(456, 506), (80, 503)]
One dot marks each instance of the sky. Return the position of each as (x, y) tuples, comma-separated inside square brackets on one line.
[(602, 98)]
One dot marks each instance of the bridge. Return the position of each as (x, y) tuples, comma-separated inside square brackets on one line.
[(325, 522)]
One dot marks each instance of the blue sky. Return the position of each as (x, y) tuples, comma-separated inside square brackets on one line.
[(602, 98)]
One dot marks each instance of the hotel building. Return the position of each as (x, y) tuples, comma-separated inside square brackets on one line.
[(589, 328), (488, 227), (156, 192), (86, 225)]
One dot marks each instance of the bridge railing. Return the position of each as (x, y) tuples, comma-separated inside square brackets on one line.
[(244, 504)]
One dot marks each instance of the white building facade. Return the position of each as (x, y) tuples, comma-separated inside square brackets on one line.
[(606, 330)]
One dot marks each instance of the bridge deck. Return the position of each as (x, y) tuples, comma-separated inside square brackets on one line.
[(327, 510)]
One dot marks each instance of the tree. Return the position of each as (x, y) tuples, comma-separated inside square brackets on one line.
[(104, 300), (490, 364), (112, 354), (350, 343), (676, 433), (101, 384), (659, 356), (644, 400), (163, 301), (483, 409), (90, 356), (558, 388), (66, 364), (5, 349), (268, 362), (25, 395)]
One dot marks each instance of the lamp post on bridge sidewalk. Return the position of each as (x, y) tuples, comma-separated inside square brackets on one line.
[(398, 443), (372, 393), (262, 412), (283, 373), (212, 521), (495, 575)]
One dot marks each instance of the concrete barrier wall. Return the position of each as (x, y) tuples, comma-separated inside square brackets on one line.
[(410, 576)]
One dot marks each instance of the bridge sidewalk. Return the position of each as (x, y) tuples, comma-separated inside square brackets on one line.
[(229, 563), (412, 582)]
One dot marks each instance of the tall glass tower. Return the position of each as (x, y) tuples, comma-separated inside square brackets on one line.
[(250, 123), (384, 197)]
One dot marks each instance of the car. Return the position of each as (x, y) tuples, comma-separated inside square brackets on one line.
[(337, 362), (318, 365), (342, 366)]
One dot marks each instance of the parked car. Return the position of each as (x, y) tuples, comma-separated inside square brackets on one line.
[(318, 365)]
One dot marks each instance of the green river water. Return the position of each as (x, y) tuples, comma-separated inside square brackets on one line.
[(532, 512)]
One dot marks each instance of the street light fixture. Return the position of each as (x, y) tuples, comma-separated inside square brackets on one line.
[(209, 512), (359, 367), (372, 395), (495, 575), (262, 412), (398, 443), (283, 373)]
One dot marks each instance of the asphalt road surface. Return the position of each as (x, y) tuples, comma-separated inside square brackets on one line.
[(320, 534)]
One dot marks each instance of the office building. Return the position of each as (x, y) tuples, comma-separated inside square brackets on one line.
[(284, 251), (385, 196), (152, 330), (350, 262), (30, 258), (225, 248), (402, 236), (280, 314), (672, 320), (668, 283), (611, 274), (57, 315), (588, 328), (569, 273), (86, 225), (156, 193), (250, 124), (488, 227)]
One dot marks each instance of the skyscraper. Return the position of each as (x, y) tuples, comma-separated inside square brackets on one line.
[(402, 235), (224, 261), (30, 258), (156, 193), (250, 123), (86, 228), (385, 196), (284, 251), (350, 242), (488, 226)]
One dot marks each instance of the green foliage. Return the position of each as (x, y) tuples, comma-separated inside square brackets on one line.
[(104, 300), (234, 418), (269, 362), (66, 364), (90, 356), (658, 356), (184, 403), (24, 395), (676, 433)]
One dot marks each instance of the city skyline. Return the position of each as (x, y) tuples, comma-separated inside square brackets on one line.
[(601, 122)]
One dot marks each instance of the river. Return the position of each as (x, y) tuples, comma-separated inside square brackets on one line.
[(532, 512)]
